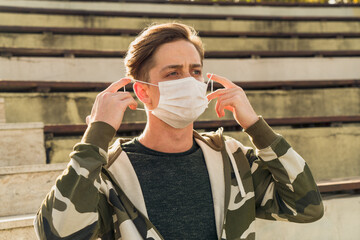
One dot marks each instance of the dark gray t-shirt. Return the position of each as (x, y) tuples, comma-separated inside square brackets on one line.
[(176, 189)]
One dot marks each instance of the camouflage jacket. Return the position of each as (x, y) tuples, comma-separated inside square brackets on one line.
[(99, 195)]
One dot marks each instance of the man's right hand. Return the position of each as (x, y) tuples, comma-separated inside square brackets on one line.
[(110, 104)]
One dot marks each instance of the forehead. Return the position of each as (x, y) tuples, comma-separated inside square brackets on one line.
[(180, 52)]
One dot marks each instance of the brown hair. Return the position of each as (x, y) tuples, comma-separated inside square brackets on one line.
[(138, 60)]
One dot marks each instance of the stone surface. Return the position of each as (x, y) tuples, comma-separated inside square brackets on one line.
[(17, 221), (216, 25), (331, 152), (72, 108), (120, 44), (23, 188), (306, 102), (22, 144), (60, 148), (2, 110), (341, 221), (24, 233), (270, 11), (17, 227), (237, 70)]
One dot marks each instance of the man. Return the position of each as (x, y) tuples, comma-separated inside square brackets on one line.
[(172, 182)]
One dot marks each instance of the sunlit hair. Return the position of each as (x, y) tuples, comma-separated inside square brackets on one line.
[(139, 57)]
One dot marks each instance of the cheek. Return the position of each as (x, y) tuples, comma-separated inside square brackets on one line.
[(154, 95)]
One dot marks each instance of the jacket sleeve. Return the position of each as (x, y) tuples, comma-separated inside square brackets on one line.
[(71, 208), (284, 186)]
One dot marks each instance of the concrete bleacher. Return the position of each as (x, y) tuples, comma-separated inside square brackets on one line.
[(88, 45), (46, 69), (17, 227), (29, 185), (293, 61), (22, 144), (333, 31), (72, 108), (2, 110)]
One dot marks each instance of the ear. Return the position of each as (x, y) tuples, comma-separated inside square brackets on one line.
[(141, 92)]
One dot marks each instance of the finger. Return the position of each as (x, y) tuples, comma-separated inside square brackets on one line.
[(220, 92), (115, 86), (217, 108), (121, 95), (224, 104), (233, 96), (215, 94), (223, 81), (87, 120), (231, 109), (130, 102)]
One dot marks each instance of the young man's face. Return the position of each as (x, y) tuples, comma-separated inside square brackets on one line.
[(174, 60)]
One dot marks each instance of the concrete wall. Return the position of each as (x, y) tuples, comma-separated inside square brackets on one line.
[(120, 43), (60, 147), (22, 233), (48, 108), (2, 110), (22, 144), (331, 152), (72, 108), (226, 25), (340, 222), (23, 188), (190, 9), (239, 70), (19, 228)]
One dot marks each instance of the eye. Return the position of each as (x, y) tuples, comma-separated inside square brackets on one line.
[(172, 74), (197, 72)]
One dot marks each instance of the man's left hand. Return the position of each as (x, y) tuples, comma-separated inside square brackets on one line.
[(232, 98)]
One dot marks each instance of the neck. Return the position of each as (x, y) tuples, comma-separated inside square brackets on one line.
[(161, 137)]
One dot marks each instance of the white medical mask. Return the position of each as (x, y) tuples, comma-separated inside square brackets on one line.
[(181, 101)]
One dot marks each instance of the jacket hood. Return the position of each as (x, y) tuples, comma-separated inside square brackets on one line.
[(214, 140)]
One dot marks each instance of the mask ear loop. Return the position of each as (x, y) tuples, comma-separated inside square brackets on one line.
[(211, 83)]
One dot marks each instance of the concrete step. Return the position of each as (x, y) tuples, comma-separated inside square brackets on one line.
[(89, 45), (72, 108), (23, 188), (340, 221), (108, 25), (2, 110), (17, 227), (331, 152), (185, 9), (237, 70), (22, 144)]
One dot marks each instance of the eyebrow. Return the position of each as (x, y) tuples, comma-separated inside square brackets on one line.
[(194, 65)]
